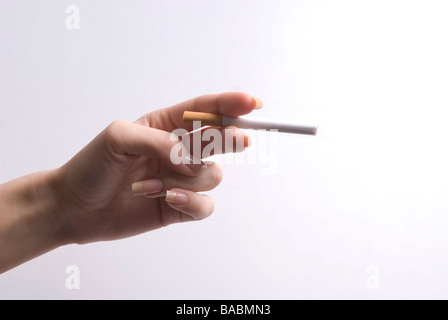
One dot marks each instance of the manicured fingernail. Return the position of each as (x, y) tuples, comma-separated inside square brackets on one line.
[(204, 164), (194, 164), (196, 168), (155, 195), (147, 187), (247, 141), (258, 103), (176, 197)]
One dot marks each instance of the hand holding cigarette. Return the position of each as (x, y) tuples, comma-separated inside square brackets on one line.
[(121, 184)]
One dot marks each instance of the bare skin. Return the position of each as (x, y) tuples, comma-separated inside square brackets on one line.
[(90, 197)]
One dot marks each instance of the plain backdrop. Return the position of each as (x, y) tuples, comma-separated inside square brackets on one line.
[(360, 211)]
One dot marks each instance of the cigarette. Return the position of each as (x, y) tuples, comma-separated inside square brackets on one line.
[(211, 119)]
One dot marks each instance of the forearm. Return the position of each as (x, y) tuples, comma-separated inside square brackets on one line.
[(31, 222)]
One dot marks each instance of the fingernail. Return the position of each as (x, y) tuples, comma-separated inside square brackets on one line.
[(258, 103), (176, 197), (193, 160), (155, 195), (147, 187), (247, 141), (209, 163), (196, 165)]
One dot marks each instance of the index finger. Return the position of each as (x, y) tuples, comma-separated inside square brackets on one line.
[(232, 104)]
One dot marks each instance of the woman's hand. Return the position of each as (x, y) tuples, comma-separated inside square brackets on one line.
[(123, 183)]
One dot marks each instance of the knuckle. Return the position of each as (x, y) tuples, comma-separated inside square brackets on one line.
[(115, 130), (115, 135)]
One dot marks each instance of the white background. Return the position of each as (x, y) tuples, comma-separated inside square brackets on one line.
[(368, 193)]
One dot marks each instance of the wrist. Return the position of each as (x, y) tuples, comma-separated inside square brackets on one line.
[(31, 220), (51, 207)]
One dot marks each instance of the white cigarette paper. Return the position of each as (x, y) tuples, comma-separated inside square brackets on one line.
[(245, 123)]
